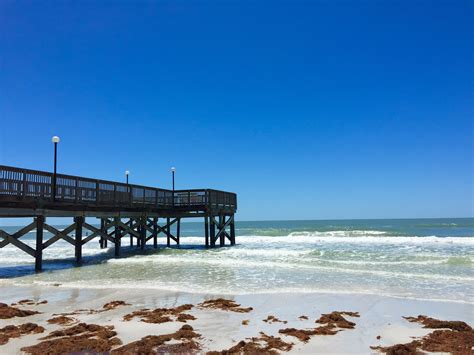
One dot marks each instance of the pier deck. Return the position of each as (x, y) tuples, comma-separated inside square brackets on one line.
[(123, 209)]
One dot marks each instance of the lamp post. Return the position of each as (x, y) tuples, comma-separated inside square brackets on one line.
[(173, 170), (55, 140), (126, 175)]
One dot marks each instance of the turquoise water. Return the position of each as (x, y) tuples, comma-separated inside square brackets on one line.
[(417, 258)]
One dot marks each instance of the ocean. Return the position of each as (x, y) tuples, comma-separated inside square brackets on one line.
[(407, 258)]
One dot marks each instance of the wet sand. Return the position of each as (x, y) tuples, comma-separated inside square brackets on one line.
[(127, 320)]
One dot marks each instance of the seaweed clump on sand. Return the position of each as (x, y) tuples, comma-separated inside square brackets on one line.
[(272, 319), (264, 344), (455, 337), (162, 315), (225, 305), (62, 320), (28, 302), (305, 334), (433, 323), (114, 304), (333, 323), (86, 338), (336, 318), (158, 344), (16, 331), (7, 312), (106, 307)]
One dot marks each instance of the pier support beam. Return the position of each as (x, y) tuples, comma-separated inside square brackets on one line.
[(142, 233), (222, 224), (117, 236), (78, 238), (178, 230), (222, 234), (155, 233), (212, 231), (206, 230), (102, 229), (168, 232), (39, 243), (232, 231)]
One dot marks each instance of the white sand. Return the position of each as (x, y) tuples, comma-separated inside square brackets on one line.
[(221, 330)]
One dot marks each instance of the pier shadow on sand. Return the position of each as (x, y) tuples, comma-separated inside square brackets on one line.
[(51, 265)]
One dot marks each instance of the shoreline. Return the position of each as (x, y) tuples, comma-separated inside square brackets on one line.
[(219, 330)]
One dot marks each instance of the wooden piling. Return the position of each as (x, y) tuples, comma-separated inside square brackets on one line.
[(206, 230), (78, 238), (39, 243), (142, 233), (155, 233), (178, 230), (232, 231), (102, 229), (168, 237), (222, 230), (130, 223), (106, 231), (213, 232), (117, 236)]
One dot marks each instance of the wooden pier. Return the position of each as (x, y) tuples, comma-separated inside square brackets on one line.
[(139, 212)]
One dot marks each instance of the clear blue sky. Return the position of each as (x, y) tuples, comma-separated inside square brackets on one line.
[(306, 109)]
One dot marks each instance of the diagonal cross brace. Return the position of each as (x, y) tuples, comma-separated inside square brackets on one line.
[(62, 234), (222, 227), (18, 234), (13, 240), (58, 236)]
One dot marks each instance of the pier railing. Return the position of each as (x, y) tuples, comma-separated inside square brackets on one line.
[(17, 184)]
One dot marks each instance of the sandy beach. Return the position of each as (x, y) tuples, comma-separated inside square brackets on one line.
[(380, 321)]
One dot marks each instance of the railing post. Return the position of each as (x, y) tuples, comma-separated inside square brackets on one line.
[(75, 191), (23, 196), (97, 192)]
